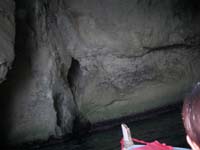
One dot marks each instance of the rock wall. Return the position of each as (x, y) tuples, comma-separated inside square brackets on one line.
[(96, 60), (40, 104), (7, 38), (7, 35), (133, 55)]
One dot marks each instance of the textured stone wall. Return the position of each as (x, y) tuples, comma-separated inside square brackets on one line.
[(134, 55), (41, 104), (7, 34)]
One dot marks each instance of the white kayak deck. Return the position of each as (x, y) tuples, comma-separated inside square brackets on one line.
[(175, 148)]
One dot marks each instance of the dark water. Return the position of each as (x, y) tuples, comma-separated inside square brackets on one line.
[(165, 127)]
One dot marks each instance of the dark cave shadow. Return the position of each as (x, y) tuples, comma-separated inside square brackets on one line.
[(17, 75)]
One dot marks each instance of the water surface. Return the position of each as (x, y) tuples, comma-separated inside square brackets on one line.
[(165, 127)]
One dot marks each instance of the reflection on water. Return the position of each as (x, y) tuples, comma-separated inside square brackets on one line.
[(165, 127)]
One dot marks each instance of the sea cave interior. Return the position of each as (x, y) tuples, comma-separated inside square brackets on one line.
[(72, 71)]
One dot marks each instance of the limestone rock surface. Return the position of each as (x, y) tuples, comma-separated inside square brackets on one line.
[(133, 55), (7, 35), (39, 101)]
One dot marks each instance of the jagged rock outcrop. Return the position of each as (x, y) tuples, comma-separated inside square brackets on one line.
[(7, 35)]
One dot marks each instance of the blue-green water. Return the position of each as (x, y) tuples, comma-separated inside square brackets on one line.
[(166, 127)]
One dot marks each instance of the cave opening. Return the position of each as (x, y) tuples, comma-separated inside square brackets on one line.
[(81, 125), (73, 73)]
